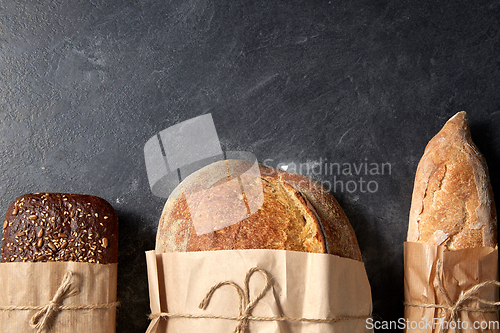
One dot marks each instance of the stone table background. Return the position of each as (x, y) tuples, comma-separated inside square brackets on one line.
[(84, 85)]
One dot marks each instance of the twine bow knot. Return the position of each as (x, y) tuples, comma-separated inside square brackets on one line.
[(245, 304), (42, 318)]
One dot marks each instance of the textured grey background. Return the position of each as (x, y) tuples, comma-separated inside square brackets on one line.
[(84, 84)]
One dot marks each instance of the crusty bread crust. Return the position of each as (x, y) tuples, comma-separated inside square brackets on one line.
[(452, 203), (297, 214)]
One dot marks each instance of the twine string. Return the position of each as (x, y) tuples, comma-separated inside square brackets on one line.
[(246, 306), (44, 316), (453, 308)]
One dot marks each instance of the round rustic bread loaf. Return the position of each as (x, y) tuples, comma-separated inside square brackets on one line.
[(282, 211), (452, 203)]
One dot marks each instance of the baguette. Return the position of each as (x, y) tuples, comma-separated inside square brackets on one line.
[(452, 202)]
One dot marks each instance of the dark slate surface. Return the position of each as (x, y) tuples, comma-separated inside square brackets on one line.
[(84, 85)]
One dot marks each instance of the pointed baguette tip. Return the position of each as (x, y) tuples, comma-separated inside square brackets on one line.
[(461, 116)]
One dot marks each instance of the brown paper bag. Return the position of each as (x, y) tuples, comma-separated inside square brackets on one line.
[(89, 305), (309, 292), (435, 280)]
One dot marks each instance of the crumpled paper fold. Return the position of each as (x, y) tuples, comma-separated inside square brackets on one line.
[(458, 271)]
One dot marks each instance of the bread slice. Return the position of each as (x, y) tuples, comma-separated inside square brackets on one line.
[(452, 203), (296, 214)]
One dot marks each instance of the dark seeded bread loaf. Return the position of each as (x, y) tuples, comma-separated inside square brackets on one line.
[(452, 203), (297, 214), (60, 227)]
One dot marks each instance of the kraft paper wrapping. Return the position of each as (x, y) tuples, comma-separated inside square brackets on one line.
[(304, 285), (25, 284), (460, 271)]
